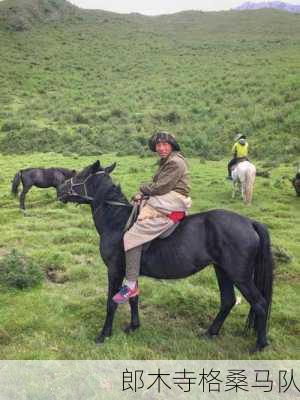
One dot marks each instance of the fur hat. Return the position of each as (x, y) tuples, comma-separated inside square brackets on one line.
[(165, 137)]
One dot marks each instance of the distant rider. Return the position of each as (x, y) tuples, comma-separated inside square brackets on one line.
[(239, 152)]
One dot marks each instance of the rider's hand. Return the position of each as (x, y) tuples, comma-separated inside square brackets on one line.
[(138, 198)]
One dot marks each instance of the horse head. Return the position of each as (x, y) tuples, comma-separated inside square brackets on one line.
[(81, 188)]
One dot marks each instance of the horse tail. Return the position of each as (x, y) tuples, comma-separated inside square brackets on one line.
[(263, 273), (16, 182), (249, 185)]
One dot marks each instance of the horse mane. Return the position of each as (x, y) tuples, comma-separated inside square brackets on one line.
[(114, 216), (114, 193), (110, 191)]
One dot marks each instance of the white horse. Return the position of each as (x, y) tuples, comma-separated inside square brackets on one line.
[(243, 176)]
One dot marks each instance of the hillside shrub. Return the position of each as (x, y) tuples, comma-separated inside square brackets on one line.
[(118, 113), (19, 272), (281, 255), (10, 126), (79, 118), (172, 117)]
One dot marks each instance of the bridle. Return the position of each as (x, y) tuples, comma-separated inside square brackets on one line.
[(71, 192)]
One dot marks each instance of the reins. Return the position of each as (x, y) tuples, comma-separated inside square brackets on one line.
[(112, 203), (132, 217)]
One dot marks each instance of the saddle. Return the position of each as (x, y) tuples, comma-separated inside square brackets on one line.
[(175, 216), (164, 235), (169, 231), (237, 161), (241, 159)]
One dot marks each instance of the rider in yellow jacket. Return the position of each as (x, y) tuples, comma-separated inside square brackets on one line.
[(239, 152)]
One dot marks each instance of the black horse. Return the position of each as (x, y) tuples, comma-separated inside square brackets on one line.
[(40, 177), (238, 247)]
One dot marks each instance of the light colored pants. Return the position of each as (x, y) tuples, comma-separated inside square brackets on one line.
[(153, 220), (151, 223)]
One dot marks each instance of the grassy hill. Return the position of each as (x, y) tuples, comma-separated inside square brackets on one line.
[(19, 16), (86, 82)]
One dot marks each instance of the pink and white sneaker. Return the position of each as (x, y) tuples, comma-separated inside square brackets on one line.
[(125, 293)]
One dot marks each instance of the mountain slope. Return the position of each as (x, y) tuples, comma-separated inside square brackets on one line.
[(88, 81), (16, 15), (279, 5)]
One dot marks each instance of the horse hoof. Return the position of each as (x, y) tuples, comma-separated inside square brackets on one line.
[(130, 328), (100, 339), (209, 335), (258, 348), (255, 350)]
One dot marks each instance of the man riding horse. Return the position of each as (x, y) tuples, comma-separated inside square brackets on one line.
[(238, 247), (239, 152), (163, 202)]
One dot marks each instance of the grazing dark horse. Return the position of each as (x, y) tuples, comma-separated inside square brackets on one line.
[(40, 177), (238, 247)]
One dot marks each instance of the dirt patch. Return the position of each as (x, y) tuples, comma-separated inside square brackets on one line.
[(56, 276), (3, 252)]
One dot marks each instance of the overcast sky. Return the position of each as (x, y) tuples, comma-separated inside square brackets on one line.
[(154, 7)]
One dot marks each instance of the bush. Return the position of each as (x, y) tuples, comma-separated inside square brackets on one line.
[(118, 113), (172, 117), (281, 255), (17, 271), (10, 126), (79, 118)]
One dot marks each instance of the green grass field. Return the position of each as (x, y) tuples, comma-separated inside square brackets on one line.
[(60, 318)]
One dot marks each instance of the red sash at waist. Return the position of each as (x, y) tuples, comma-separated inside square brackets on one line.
[(176, 216)]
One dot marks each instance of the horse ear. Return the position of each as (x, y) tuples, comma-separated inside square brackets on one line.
[(110, 169), (95, 167)]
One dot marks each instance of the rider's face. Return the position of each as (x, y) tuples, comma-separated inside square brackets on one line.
[(163, 149)]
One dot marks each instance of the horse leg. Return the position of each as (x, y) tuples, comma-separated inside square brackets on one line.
[(22, 197), (236, 188), (233, 189), (258, 306), (114, 283), (135, 321), (227, 302), (243, 190)]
